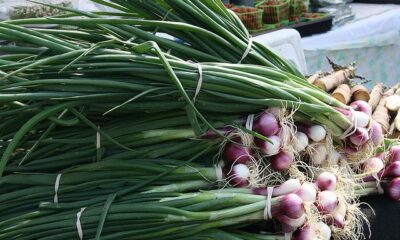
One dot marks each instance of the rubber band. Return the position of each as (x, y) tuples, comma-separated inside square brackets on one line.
[(247, 51), (352, 128), (199, 82), (267, 209), (378, 183), (98, 140), (56, 186), (219, 175), (78, 223), (249, 122), (218, 172), (288, 236)]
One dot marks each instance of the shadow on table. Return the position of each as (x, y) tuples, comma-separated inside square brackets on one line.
[(385, 224)]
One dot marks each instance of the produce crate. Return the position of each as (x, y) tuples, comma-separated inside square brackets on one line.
[(251, 17), (274, 10), (297, 8)]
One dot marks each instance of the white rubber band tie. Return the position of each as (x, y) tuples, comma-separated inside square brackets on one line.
[(378, 183), (56, 187), (98, 140), (218, 172), (288, 236), (249, 122), (247, 51), (199, 82), (267, 209), (352, 128), (219, 175), (78, 223)]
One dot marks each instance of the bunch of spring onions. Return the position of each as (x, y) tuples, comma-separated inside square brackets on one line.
[(172, 215), (93, 183), (207, 31), (381, 174), (81, 86), (54, 147)]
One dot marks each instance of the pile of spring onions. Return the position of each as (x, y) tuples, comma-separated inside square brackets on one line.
[(110, 130)]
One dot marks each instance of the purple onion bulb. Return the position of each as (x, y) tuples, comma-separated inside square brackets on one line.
[(326, 181), (292, 206), (266, 124), (282, 161)]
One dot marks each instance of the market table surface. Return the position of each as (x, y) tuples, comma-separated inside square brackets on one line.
[(384, 218), (371, 40)]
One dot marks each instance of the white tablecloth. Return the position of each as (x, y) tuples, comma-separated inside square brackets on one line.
[(372, 40)]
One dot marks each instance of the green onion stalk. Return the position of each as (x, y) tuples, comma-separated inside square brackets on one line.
[(146, 217), (207, 30), (90, 83), (93, 183), (54, 146)]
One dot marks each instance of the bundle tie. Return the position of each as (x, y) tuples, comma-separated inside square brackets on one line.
[(288, 236), (267, 209), (219, 175), (56, 187), (98, 140), (352, 128), (247, 51), (199, 82), (378, 183), (249, 122), (98, 145), (78, 223)]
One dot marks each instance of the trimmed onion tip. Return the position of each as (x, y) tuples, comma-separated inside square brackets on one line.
[(291, 224), (316, 133), (266, 124), (282, 161), (319, 154), (307, 192), (305, 233), (373, 165), (236, 153), (393, 170), (269, 148), (376, 133), (323, 231), (393, 189), (327, 201), (361, 106), (239, 176), (292, 206), (301, 142), (290, 186), (361, 119), (326, 181), (360, 137), (394, 153)]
